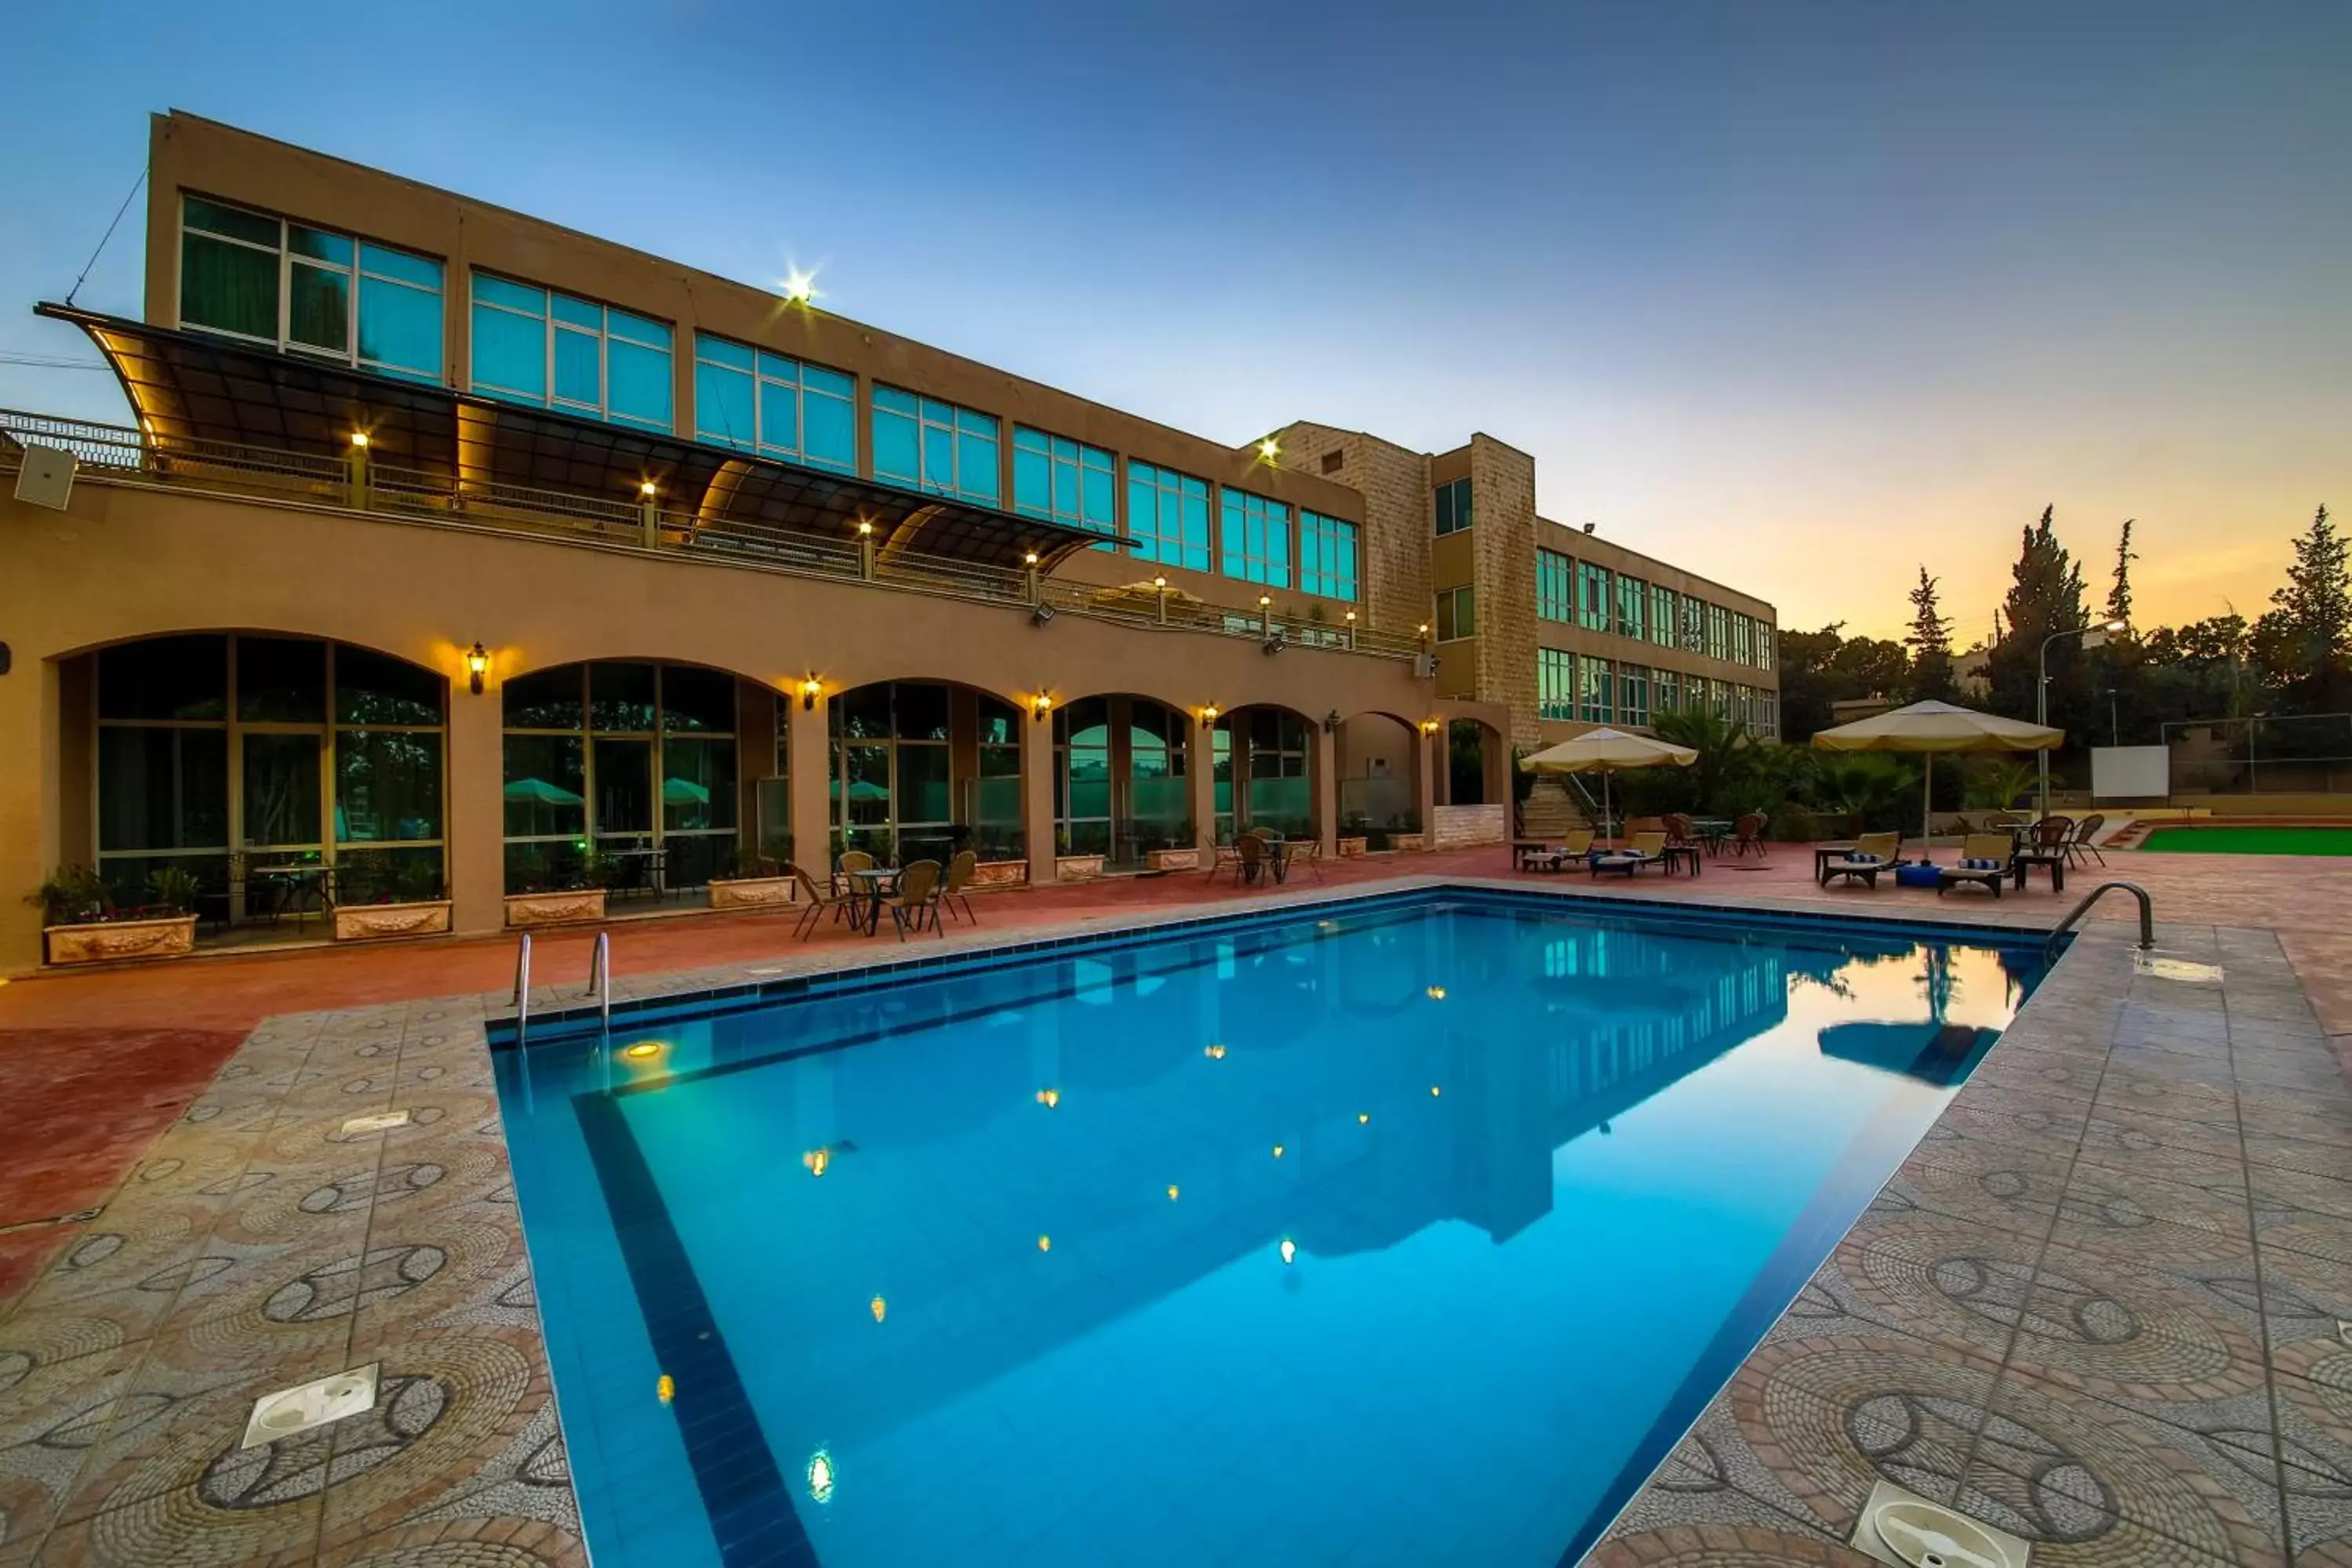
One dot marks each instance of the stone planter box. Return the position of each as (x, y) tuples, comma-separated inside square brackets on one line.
[(368, 922), (174, 936), (1077, 867), (555, 909), (999, 874), (1351, 847), (753, 893), (1409, 842), (1173, 859)]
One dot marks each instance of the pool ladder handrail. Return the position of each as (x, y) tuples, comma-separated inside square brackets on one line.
[(2146, 915), (600, 980)]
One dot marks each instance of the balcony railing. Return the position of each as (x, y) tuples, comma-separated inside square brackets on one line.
[(119, 453)]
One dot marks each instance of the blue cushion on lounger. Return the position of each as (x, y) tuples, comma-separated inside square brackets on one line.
[(1861, 861), (1976, 863)]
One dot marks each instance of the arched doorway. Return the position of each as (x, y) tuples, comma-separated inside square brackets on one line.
[(921, 768), (1263, 760), (1380, 758), (281, 773), (1473, 773), (1120, 778), (629, 773)]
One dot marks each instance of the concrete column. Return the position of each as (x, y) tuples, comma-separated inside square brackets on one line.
[(755, 758), (1426, 756), (808, 758), (29, 840), (1326, 780), (474, 835), (1201, 781), (1037, 795)]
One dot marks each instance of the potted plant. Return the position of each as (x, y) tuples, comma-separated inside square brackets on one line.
[(1177, 850), (1003, 857), (568, 891), (755, 879), (1074, 866), (410, 901), (80, 923), (1355, 834)]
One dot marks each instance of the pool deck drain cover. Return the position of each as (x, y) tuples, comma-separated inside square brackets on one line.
[(2176, 969), (1906, 1530), (291, 1411), (381, 1122)]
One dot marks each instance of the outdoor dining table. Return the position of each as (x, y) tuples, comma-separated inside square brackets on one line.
[(297, 888), (656, 863), (877, 881), (1712, 831)]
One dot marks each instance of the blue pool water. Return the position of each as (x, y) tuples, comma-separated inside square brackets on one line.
[(1396, 1231)]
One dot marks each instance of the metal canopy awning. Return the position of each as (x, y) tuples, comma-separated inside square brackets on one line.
[(193, 386)]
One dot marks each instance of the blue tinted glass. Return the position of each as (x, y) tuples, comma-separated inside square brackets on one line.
[(829, 435), (578, 376), (1033, 478), (1096, 500), (896, 401), (509, 352), (939, 459), (779, 367), (400, 328), (779, 417), (976, 473), (718, 351), (637, 329), (722, 406), (513, 296), (423, 272), (818, 379), (641, 384), (579, 312), (1027, 440), (1143, 510), (318, 245), (895, 452), (938, 413)]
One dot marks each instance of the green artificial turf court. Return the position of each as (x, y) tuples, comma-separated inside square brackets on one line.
[(2252, 840)]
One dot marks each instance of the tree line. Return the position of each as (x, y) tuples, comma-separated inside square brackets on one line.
[(2295, 658)]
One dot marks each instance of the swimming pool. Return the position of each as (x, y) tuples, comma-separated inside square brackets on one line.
[(1403, 1229)]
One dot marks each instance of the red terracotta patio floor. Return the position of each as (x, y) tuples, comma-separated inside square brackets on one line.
[(93, 1067)]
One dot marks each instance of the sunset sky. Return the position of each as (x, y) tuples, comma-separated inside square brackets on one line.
[(1798, 296)]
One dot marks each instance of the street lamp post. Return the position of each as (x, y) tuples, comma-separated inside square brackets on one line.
[(2094, 637)]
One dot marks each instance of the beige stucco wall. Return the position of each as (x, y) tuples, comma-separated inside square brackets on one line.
[(127, 563)]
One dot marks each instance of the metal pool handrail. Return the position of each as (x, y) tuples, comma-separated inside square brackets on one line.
[(2146, 915), (520, 1000), (600, 975)]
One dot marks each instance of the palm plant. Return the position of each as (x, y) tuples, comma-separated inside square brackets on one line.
[(1994, 783), (1869, 786)]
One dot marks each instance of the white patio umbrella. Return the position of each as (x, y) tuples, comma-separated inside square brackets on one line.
[(1604, 751), (1929, 728)]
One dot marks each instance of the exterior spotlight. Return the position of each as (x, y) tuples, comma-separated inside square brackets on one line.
[(478, 665), (1265, 600), (646, 489), (643, 1050), (2118, 626), (799, 287), (1424, 628), (1269, 450), (1041, 705), (359, 439), (1160, 583), (809, 690), (1030, 559), (864, 528), (1351, 616)]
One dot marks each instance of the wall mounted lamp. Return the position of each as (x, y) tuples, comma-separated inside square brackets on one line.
[(478, 665), (360, 440), (1429, 726), (809, 690), (1331, 722), (1209, 714), (1041, 705)]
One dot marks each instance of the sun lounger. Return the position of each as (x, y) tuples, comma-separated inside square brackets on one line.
[(1872, 853), (1984, 861), (1646, 850)]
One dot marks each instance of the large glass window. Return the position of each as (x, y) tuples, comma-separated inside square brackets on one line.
[(1452, 504), (1168, 516), (240, 756), (1694, 625), (1255, 539), (534, 345), (1718, 631), (1326, 556), (1764, 653), (1632, 603), (1743, 639), (773, 405), (1662, 613), (926, 445), (1593, 606), (919, 769), (1555, 585), (1279, 795), (309, 290), (1065, 481), (1457, 614), (634, 762), (1594, 680), (1633, 694), (1556, 683), (1666, 690)]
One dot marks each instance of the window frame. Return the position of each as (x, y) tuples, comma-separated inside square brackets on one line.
[(355, 274), (1080, 463), (762, 378), (1171, 488), (1258, 525), (555, 326), (954, 427), (1453, 508), (1446, 610), (1324, 537), (1595, 607), (1556, 684), (1554, 586)]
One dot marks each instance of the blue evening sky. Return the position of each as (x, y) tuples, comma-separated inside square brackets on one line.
[(1800, 296)]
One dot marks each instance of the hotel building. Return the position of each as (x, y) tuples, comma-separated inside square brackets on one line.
[(450, 556)]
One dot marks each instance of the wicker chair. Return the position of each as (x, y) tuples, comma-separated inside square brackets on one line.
[(962, 871), (915, 898), (1747, 834), (2083, 844), (816, 903)]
